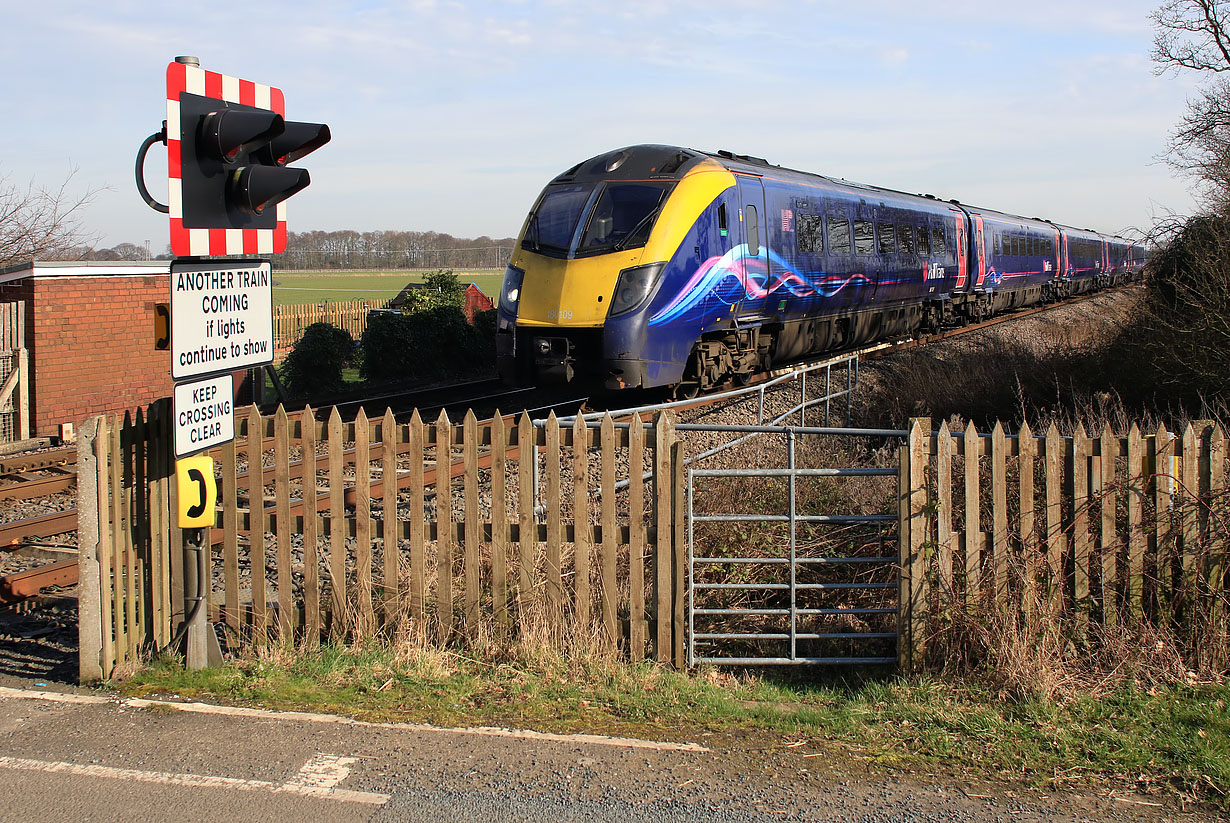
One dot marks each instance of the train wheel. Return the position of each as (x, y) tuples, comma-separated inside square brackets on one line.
[(687, 390)]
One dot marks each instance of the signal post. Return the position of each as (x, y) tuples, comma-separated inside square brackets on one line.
[(228, 146)]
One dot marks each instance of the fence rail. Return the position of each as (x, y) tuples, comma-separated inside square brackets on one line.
[(1102, 528)]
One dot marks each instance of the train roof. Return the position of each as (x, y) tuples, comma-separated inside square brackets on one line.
[(650, 161)]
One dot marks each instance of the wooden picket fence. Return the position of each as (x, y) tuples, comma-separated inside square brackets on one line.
[(478, 550), (130, 552), (14, 374), (290, 320), (1103, 529)]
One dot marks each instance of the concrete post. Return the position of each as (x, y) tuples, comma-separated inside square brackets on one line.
[(89, 593)]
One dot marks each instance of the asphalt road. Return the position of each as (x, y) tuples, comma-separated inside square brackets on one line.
[(77, 755)]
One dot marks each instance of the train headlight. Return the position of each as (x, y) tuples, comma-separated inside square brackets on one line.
[(634, 287), (510, 291)]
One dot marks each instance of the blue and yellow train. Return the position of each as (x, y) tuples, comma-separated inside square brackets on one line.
[(662, 266)]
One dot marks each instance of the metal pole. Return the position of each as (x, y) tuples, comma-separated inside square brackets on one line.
[(828, 391), (794, 616), (803, 399), (851, 380), (691, 628)]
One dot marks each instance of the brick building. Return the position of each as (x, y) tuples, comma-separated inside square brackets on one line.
[(89, 333)]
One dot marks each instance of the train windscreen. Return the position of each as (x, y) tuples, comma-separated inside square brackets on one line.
[(618, 216)]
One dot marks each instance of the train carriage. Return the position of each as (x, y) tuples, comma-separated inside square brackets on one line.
[(661, 266)]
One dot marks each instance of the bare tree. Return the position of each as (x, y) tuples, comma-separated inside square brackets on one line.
[(1194, 35), (38, 223)]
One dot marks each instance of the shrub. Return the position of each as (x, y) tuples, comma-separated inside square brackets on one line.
[(432, 343), (1186, 329), (314, 366), (440, 289)]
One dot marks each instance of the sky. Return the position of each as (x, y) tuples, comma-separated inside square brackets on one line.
[(452, 116)]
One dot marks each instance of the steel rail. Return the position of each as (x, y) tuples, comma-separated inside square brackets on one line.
[(23, 585), (63, 522), (27, 488), (38, 460)]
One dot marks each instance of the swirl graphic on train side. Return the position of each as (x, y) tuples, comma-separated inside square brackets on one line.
[(737, 276)]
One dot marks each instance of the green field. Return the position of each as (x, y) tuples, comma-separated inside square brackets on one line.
[(333, 287)]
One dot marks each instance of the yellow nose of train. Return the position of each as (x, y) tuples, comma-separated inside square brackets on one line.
[(575, 293)]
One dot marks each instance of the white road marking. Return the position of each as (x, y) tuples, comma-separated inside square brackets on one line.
[(325, 789), (323, 772), (311, 717)]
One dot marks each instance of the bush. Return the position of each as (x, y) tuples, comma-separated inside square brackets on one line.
[(433, 343), (440, 289), (1185, 340), (314, 366)]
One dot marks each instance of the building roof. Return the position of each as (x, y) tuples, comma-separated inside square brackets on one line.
[(83, 268)]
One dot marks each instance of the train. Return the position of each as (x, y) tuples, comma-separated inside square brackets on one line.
[(660, 266)]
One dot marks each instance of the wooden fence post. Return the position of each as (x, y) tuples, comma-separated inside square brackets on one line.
[(680, 549), (973, 533), (637, 628), (1027, 450), (912, 540), (662, 561), (1081, 563), (999, 516)]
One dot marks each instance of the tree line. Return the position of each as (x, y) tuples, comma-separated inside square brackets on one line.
[(346, 249)]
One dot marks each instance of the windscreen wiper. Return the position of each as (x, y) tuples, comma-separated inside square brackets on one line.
[(646, 220)]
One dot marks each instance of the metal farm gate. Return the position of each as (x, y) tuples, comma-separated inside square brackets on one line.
[(796, 564)]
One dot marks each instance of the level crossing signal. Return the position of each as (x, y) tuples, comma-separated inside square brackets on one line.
[(229, 147)]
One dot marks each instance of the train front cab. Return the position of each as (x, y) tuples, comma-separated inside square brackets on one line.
[(593, 255)]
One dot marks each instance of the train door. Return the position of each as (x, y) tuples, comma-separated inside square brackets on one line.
[(962, 252), (980, 251), (755, 239)]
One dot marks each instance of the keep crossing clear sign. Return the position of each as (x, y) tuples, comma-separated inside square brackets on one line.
[(221, 316), (204, 414)]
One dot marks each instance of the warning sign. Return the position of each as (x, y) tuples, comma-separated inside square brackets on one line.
[(221, 316), (204, 414)]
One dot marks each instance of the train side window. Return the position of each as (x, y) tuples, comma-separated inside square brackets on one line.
[(809, 233), (722, 227), (924, 243), (839, 235), (888, 238), (864, 237), (753, 231), (1033, 247), (995, 243), (939, 243), (905, 239)]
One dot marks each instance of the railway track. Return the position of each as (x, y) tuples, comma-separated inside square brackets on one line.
[(30, 583), (29, 476)]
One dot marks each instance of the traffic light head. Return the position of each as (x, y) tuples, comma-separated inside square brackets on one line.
[(228, 146)]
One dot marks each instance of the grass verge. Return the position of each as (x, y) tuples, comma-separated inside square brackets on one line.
[(1171, 740)]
